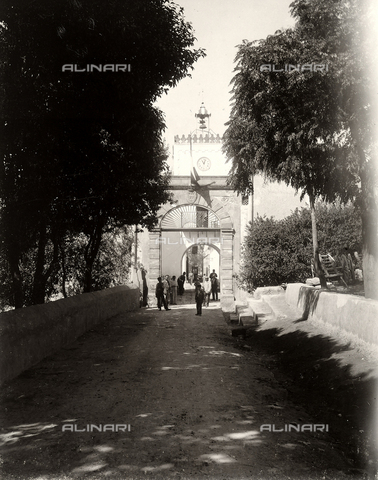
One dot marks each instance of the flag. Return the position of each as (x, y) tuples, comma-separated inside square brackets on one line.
[(194, 177)]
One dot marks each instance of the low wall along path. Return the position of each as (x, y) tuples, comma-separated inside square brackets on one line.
[(28, 335)]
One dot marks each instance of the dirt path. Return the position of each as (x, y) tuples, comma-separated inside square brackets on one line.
[(194, 397)]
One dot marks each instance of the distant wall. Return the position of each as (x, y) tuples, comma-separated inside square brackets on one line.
[(27, 335), (352, 313)]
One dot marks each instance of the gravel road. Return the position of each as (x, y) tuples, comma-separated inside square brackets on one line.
[(182, 398)]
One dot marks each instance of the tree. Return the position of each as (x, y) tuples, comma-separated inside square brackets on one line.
[(296, 125), (82, 152), (279, 251), (349, 34), (111, 266)]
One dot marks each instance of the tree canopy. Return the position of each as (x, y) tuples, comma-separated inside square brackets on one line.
[(310, 127), (82, 151)]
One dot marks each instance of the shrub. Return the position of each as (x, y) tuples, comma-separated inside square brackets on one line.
[(280, 251)]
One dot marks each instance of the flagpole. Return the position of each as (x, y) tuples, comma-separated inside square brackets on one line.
[(191, 159)]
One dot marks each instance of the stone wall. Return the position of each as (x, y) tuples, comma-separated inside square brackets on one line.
[(28, 335), (352, 313)]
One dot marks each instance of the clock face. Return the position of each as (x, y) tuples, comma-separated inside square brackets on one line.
[(204, 164)]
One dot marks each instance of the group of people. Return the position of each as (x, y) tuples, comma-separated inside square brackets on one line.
[(166, 291), (168, 288)]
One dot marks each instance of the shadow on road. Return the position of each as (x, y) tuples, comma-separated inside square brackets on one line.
[(334, 380)]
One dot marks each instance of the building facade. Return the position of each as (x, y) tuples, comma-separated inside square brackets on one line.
[(203, 227)]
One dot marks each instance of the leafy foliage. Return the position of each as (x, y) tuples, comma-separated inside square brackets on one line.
[(82, 152), (313, 130), (279, 251), (278, 126), (111, 267)]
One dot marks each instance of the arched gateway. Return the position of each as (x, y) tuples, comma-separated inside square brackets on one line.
[(194, 224), (192, 236)]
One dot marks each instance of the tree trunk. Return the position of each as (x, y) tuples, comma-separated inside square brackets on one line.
[(368, 205), (90, 254), (63, 266), (11, 237), (317, 266), (370, 252), (42, 274), (38, 294), (18, 293)]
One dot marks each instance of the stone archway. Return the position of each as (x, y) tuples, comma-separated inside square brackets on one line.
[(215, 206), (158, 240)]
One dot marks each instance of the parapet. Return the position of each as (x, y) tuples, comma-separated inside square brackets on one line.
[(207, 138)]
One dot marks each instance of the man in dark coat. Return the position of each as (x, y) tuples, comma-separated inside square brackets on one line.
[(199, 296), (214, 285), (159, 293), (145, 288), (180, 284)]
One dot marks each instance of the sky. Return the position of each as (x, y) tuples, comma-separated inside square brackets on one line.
[(219, 26)]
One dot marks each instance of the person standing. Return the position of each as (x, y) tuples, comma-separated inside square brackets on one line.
[(214, 285), (180, 289), (207, 289), (199, 296), (174, 290), (159, 293), (145, 288), (167, 289), (181, 283)]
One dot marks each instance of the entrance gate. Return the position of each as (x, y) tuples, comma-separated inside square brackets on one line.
[(193, 225)]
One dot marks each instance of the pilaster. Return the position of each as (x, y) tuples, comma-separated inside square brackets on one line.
[(227, 270), (154, 263)]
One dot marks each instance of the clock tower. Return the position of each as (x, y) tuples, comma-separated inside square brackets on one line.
[(201, 150)]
